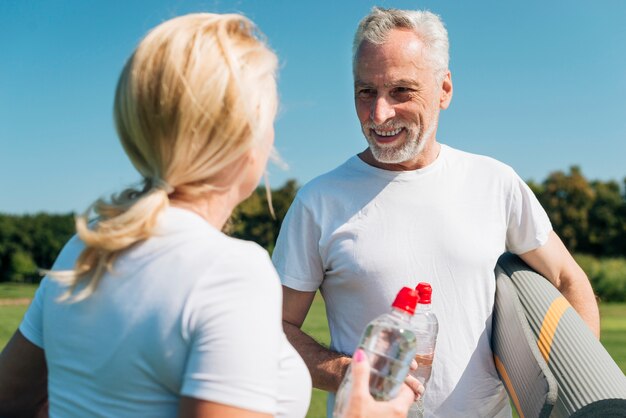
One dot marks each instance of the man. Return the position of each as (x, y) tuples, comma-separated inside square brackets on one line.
[(410, 209)]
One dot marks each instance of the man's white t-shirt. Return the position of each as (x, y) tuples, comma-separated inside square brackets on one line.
[(188, 312), (360, 233)]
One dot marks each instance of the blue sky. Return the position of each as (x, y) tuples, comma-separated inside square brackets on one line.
[(539, 85)]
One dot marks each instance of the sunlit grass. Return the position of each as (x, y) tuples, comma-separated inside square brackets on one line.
[(17, 290)]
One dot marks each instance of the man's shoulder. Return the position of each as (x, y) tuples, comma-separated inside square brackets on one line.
[(479, 162)]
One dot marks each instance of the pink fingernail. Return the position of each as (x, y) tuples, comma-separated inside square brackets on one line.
[(359, 355)]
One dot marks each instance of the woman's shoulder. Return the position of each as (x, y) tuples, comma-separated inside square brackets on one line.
[(66, 259), (248, 256)]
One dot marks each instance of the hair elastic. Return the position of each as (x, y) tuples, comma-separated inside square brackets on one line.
[(161, 184)]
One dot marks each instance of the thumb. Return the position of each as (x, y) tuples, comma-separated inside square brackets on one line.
[(360, 372)]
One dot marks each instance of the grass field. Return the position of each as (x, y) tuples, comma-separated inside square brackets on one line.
[(16, 290), (11, 315), (613, 325), (613, 331)]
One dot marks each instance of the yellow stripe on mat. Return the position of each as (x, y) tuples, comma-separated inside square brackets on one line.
[(507, 383), (549, 325)]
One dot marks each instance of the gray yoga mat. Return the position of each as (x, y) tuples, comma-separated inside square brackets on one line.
[(550, 362)]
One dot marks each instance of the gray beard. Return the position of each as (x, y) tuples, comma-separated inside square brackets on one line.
[(410, 149)]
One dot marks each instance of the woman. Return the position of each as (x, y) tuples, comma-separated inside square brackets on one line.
[(151, 311)]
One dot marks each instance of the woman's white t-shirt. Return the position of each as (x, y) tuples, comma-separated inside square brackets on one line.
[(188, 312)]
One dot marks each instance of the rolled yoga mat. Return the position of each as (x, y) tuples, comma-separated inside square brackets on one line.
[(550, 362)]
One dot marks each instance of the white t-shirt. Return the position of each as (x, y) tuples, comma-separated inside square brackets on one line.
[(188, 312), (360, 233)]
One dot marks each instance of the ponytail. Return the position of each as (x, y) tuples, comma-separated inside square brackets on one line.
[(129, 218)]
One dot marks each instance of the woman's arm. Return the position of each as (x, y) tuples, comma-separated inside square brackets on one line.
[(23, 379), (196, 408)]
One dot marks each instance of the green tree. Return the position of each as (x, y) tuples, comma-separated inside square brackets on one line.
[(23, 267), (605, 226), (31, 240), (620, 237), (50, 232), (567, 199), (252, 219)]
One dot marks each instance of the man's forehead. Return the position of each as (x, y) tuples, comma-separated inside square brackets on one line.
[(384, 58), (407, 72), (397, 39)]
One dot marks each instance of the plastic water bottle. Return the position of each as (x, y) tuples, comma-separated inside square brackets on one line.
[(426, 327), (390, 344)]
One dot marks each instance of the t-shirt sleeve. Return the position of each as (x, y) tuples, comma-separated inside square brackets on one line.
[(296, 255), (233, 324), (32, 323), (528, 223)]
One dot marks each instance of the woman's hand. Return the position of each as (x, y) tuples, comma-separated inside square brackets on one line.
[(362, 405)]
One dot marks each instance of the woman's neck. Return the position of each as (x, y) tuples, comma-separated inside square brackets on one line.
[(215, 208)]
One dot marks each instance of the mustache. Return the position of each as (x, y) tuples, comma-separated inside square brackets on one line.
[(390, 125)]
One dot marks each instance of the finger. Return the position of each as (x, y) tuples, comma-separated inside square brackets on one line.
[(404, 400), (413, 365), (415, 385), (360, 372)]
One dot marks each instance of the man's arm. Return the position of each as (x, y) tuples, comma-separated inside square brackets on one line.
[(23, 379), (553, 261), (327, 367)]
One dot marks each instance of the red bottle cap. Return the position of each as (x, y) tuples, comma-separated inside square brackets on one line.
[(406, 300), (425, 292)]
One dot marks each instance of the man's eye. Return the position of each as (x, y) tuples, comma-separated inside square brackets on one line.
[(402, 93), (366, 93)]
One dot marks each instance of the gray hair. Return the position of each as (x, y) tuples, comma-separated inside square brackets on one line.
[(428, 26)]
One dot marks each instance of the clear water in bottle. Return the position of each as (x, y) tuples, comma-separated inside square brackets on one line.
[(389, 351), (424, 367), (426, 329), (389, 342)]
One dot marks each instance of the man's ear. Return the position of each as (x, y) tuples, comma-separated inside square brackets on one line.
[(446, 91)]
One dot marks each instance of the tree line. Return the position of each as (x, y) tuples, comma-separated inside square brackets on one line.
[(589, 216)]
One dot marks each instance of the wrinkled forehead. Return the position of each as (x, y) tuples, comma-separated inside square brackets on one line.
[(401, 48), (391, 62)]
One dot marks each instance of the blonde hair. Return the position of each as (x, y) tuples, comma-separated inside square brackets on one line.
[(198, 92)]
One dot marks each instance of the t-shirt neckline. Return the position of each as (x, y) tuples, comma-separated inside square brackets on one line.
[(409, 174)]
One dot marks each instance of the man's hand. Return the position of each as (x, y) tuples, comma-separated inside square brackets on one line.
[(414, 384)]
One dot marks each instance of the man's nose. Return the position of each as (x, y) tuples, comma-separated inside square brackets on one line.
[(382, 110)]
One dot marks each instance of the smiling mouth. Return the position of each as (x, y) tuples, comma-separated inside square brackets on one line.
[(386, 135)]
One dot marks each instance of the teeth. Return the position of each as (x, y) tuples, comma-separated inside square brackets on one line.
[(388, 133)]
